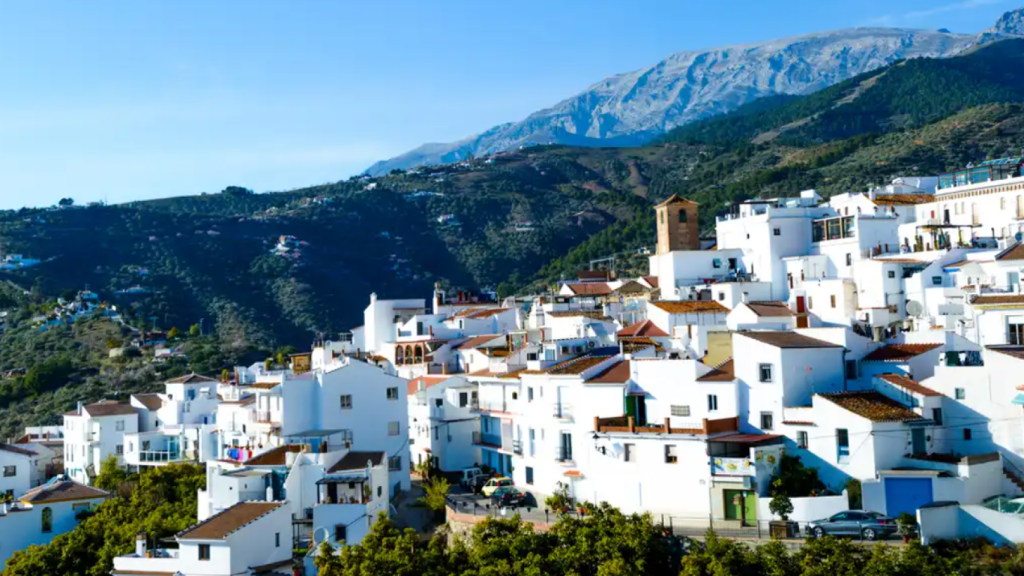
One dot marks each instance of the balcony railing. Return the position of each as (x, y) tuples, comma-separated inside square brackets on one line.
[(563, 454), (561, 410), (159, 455), (266, 417), (491, 440), (488, 405)]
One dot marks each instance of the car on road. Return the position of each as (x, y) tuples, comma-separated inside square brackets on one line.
[(857, 523), (494, 483), (508, 497), (469, 476)]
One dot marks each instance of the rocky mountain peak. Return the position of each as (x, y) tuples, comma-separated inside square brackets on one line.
[(1010, 23)]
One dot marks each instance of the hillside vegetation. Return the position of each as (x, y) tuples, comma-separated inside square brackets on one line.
[(517, 221)]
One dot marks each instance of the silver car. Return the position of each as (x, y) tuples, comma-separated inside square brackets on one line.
[(857, 523)]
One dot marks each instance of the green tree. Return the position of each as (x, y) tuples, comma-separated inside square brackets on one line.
[(111, 475), (195, 330), (436, 494), (173, 333)]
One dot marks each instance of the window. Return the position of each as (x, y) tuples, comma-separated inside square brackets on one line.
[(662, 217), (277, 539), (670, 454), (204, 552), (833, 298), (765, 372), (119, 426), (777, 231), (47, 520), (959, 393), (515, 395), (936, 280), (716, 263), (10, 471), (393, 393), (393, 428), (529, 475), (629, 452), (394, 463), (967, 433), (419, 329), (346, 401), (678, 410), (849, 259), (1015, 330), (801, 439), (892, 273), (712, 402), (339, 533), (682, 215), (810, 302), (843, 444), (721, 296), (380, 489), (120, 449), (529, 394), (436, 428), (463, 399), (767, 421), (438, 402), (937, 416)]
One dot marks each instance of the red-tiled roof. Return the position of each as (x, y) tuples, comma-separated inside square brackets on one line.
[(652, 280), (62, 491), (223, 524), (150, 401), (899, 352), (781, 339), (1015, 252), (16, 450), (770, 309), (902, 199), (690, 306), (617, 373), (191, 379), (721, 373), (643, 328), (357, 461), (872, 405), (275, 456), (576, 365), (474, 341), (996, 300), (675, 199), (908, 384), (1009, 350), (590, 288), (413, 386), (101, 409), (578, 313)]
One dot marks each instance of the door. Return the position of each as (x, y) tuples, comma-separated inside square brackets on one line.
[(801, 310), (917, 441), (906, 495), (733, 504)]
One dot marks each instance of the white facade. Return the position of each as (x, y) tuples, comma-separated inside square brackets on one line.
[(94, 432)]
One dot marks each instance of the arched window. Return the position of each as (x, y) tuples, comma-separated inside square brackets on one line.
[(47, 520), (408, 354), (400, 355)]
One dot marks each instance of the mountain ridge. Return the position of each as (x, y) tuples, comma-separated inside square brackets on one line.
[(632, 108)]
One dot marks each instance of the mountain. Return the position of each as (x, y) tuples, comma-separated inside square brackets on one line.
[(633, 108), (518, 221)]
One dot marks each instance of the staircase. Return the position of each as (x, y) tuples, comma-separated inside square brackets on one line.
[(1017, 481)]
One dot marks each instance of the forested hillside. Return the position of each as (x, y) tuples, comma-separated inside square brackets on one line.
[(517, 221)]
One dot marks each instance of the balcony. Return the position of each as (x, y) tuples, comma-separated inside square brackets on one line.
[(562, 411), (267, 417), (159, 456), (478, 405), (563, 454), (486, 440)]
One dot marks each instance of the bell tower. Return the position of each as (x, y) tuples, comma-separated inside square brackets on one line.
[(677, 225)]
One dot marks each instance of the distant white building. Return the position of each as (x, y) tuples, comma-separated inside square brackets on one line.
[(92, 433)]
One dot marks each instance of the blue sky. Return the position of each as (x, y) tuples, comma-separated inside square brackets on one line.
[(146, 99)]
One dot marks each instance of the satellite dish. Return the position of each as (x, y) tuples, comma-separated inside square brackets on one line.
[(914, 308), (591, 344), (324, 532)]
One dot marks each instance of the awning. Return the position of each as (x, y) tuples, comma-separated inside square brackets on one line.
[(573, 473), (1018, 400)]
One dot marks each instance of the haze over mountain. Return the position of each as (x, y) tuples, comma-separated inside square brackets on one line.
[(631, 109)]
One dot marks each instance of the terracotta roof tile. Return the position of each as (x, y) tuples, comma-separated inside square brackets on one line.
[(1009, 350), (770, 309), (191, 379), (413, 386), (1015, 252), (62, 491), (101, 409), (690, 306), (223, 524), (617, 373), (675, 199), (475, 341), (576, 365), (872, 405), (721, 373), (652, 280), (16, 450), (787, 339), (274, 456), (908, 384), (899, 352), (150, 401), (995, 300), (357, 461), (579, 313), (590, 288), (634, 343), (902, 199), (643, 328)]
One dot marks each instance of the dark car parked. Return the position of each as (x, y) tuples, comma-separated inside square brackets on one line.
[(508, 497), (860, 523)]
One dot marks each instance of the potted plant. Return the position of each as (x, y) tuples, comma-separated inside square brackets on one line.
[(367, 493), (906, 526), (782, 507), (560, 501)]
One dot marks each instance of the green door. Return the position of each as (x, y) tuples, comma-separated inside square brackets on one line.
[(636, 406), (750, 500), (740, 505)]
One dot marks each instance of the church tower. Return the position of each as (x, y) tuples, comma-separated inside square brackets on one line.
[(677, 225)]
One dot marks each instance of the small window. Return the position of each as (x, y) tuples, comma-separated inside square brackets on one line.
[(712, 402), (10, 471), (47, 520), (937, 416), (120, 449), (721, 296), (801, 439), (843, 444), (678, 410), (936, 280), (393, 393), (438, 402), (967, 433), (529, 475), (277, 539), (393, 428), (204, 552), (851, 369), (767, 421), (395, 463), (515, 395), (380, 489), (849, 259), (529, 394), (765, 372), (777, 231), (833, 297), (339, 533), (346, 401), (463, 399), (629, 452), (119, 426), (670, 454), (892, 273), (682, 215), (716, 263), (436, 428), (959, 393)]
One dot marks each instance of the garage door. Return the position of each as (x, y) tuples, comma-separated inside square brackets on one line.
[(906, 495)]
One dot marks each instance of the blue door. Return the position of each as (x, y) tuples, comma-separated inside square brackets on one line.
[(906, 495)]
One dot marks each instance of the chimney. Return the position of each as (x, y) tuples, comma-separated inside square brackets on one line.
[(80, 406), (140, 544), (373, 297), (746, 297)]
